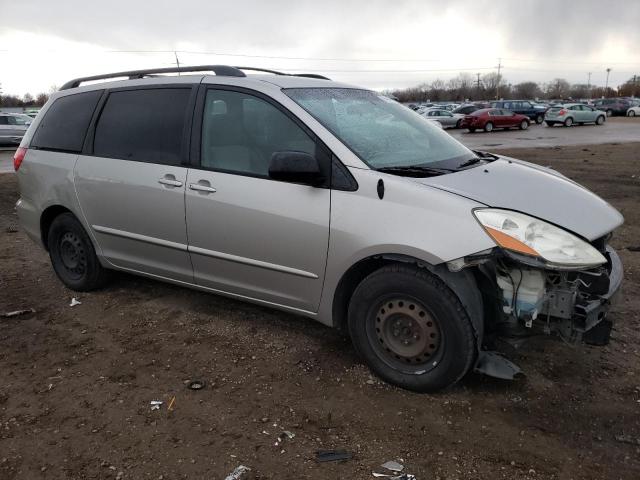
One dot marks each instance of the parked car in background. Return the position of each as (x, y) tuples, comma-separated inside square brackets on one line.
[(633, 111), (613, 106), (446, 118), (12, 128), (488, 119), (466, 109), (572, 113), (523, 107)]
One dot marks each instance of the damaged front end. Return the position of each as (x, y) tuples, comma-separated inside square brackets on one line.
[(538, 280)]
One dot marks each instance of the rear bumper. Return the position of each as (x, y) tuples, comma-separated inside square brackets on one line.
[(29, 220)]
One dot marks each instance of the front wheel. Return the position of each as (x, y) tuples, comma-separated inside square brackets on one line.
[(72, 255), (539, 119), (411, 329), (488, 127), (600, 120), (568, 122), (524, 125), (631, 113)]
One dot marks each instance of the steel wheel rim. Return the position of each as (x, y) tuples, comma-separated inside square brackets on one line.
[(72, 254), (405, 334)]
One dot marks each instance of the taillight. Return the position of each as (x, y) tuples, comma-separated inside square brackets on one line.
[(562, 112), (18, 157)]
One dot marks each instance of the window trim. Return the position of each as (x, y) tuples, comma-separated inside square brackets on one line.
[(88, 147), (322, 152)]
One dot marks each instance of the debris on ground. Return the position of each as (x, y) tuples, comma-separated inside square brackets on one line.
[(171, 403), (393, 466), (155, 404), (284, 435), (11, 229), (333, 455), (196, 385), (239, 473), (74, 302), (627, 439), (16, 313)]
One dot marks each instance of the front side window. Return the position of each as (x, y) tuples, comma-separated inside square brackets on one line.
[(241, 132), (380, 131), (143, 125)]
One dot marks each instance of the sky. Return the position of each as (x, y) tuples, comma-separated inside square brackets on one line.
[(375, 44)]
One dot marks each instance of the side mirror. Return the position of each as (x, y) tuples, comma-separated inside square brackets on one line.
[(295, 167)]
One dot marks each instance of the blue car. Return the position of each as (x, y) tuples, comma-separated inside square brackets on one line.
[(523, 107)]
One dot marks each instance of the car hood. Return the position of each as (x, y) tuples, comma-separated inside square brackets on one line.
[(534, 190)]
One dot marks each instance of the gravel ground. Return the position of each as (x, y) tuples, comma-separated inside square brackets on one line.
[(76, 382)]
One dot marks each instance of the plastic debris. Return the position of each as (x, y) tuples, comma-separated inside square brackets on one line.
[(333, 455), (393, 466), (74, 302), (395, 476), (16, 313), (155, 404), (238, 473), (196, 385)]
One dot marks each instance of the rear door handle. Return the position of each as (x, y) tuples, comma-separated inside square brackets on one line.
[(171, 182), (202, 188)]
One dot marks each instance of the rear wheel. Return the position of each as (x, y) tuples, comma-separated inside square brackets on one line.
[(458, 123), (472, 130), (539, 119), (72, 255), (568, 122), (488, 127), (631, 113), (411, 329), (600, 120), (524, 125)]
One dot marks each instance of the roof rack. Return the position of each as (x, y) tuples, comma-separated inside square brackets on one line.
[(221, 70)]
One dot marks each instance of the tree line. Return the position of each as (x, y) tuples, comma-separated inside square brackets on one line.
[(492, 86), (26, 101)]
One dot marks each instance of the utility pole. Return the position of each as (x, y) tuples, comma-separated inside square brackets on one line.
[(478, 85), (606, 85), (498, 80), (589, 85)]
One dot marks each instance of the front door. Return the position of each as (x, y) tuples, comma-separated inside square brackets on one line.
[(250, 235), (131, 187)]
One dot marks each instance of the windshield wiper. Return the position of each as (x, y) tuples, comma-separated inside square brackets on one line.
[(481, 157), (471, 161), (415, 171)]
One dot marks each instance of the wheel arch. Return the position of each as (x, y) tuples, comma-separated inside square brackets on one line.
[(462, 283), (46, 218)]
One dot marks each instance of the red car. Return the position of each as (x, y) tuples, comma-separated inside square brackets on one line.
[(488, 119)]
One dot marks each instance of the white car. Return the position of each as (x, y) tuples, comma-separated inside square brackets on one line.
[(633, 111)]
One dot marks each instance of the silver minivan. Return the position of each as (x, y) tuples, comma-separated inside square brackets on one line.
[(321, 199)]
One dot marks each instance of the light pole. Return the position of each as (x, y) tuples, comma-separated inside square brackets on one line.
[(606, 85)]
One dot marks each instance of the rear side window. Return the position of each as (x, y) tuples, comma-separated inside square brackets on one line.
[(143, 125), (65, 124)]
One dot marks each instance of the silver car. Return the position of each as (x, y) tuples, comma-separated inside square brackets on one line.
[(445, 117), (574, 113), (12, 128), (322, 199)]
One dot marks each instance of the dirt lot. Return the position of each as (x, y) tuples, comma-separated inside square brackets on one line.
[(75, 383)]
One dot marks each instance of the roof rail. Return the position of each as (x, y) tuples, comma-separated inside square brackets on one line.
[(223, 70)]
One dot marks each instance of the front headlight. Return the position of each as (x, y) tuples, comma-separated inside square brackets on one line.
[(529, 236)]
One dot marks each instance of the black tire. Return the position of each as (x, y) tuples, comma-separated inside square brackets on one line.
[(550, 124), (631, 113), (523, 125), (472, 130), (600, 120), (609, 113), (443, 344), (72, 255), (539, 119), (458, 123), (488, 127), (568, 122)]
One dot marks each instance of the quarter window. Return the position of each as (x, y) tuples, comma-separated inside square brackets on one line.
[(65, 123), (240, 133), (143, 125)]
